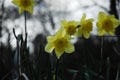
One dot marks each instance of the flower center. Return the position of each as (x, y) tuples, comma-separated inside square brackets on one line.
[(25, 3), (60, 43), (71, 29), (87, 26), (107, 25)]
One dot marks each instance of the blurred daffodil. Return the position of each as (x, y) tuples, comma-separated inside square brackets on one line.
[(60, 42), (85, 28), (24, 5), (106, 24), (69, 27)]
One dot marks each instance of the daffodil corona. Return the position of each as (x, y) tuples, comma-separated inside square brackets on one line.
[(106, 24), (69, 27), (24, 5), (60, 42), (85, 28)]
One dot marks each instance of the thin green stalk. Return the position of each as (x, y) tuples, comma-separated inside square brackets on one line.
[(118, 73), (25, 16), (62, 58), (18, 57), (101, 53), (108, 69), (52, 66), (56, 71), (102, 40), (74, 76)]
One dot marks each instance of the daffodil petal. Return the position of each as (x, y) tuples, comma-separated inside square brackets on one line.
[(16, 2), (101, 32), (90, 20), (99, 25), (63, 23), (86, 34), (70, 48), (30, 9), (59, 53), (79, 32), (49, 47), (116, 23), (112, 32), (50, 38), (83, 18), (101, 16), (21, 10)]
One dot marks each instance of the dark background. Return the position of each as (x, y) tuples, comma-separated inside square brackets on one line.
[(84, 64)]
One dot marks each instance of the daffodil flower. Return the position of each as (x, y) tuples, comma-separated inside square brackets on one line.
[(24, 5), (60, 43), (106, 24), (85, 28), (69, 27)]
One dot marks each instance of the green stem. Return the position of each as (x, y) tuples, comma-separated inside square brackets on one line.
[(25, 22), (56, 71), (101, 52), (25, 15)]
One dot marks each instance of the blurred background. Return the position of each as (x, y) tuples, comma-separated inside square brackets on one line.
[(84, 64)]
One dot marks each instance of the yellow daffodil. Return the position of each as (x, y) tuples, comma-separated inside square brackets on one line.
[(69, 27), (85, 28), (60, 42), (106, 24), (24, 5)]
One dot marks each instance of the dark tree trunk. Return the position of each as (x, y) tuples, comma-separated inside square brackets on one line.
[(113, 9)]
